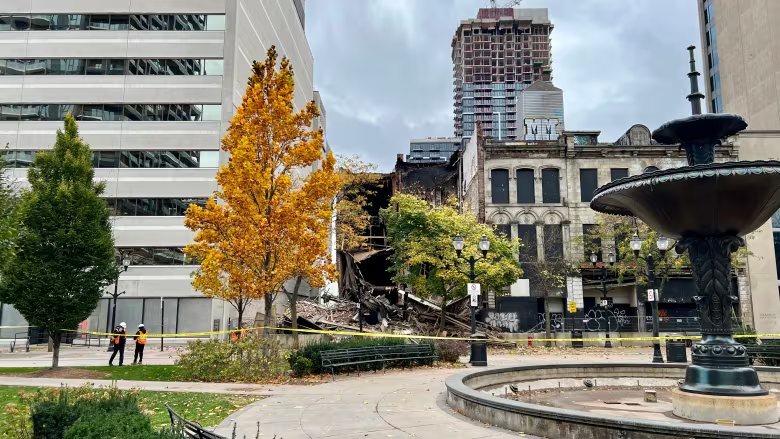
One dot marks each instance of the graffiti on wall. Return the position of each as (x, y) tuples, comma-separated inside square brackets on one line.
[(541, 128), (556, 321), (600, 319), (503, 320)]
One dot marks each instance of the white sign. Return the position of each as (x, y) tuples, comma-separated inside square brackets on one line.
[(473, 291), (652, 295), (604, 303)]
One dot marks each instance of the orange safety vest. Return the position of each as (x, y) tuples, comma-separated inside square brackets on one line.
[(142, 338), (117, 338), (234, 337)]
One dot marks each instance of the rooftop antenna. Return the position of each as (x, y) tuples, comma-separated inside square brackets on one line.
[(695, 97), (495, 4)]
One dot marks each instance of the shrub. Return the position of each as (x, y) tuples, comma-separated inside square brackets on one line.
[(450, 351), (252, 359), (312, 352), (114, 425), (302, 366)]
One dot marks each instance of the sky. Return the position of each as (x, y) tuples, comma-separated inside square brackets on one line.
[(384, 67)]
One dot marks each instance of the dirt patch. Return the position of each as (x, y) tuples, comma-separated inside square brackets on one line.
[(63, 372)]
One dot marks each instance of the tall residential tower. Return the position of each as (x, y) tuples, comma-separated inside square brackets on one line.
[(496, 56)]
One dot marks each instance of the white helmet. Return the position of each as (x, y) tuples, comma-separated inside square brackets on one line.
[(141, 325), (123, 325)]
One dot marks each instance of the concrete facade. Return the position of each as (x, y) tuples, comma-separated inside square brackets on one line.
[(32, 32), (742, 76)]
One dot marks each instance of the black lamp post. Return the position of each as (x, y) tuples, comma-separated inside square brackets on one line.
[(663, 245), (594, 258), (478, 349), (115, 296)]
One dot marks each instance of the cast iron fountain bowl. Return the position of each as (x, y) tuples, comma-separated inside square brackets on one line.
[(733, 198), (710, 127)]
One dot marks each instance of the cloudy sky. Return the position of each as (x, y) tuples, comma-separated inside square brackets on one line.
[(385, 72)]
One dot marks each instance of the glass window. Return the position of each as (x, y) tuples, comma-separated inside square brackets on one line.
[(212, 112), (776, 236), (503, 230), (98, 22), (591, 241), (9, 112), (551, 186), (215, 22), (194, 315), (588, 184), (553, 242), (116, 66), (499, 184), (125, 207), (618, 173), (139, 256), (96, 67), (525, 186), (527, 234), (14, 67), (119, 22), (108, 159)]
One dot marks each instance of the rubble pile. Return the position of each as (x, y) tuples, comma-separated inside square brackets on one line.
[(413, 316)]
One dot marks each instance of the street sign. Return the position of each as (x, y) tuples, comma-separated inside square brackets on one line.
[(572, 306), (474, 291), (604, 303), (652, 295)]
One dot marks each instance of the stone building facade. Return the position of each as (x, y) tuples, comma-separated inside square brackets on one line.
[(540, 192)]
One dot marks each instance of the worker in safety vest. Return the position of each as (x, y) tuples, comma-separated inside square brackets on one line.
[(140, 343), (119, 337)]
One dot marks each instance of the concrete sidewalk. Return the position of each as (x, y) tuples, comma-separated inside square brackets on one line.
[(85, 356), (400, 403)]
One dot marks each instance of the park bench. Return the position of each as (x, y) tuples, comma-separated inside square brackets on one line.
[(189, 429), (21, 336), (376, 355), (768, 355)]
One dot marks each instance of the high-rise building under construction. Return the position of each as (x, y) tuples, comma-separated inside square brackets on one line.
[(496, 56)]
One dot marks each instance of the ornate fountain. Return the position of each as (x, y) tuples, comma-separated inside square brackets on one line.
[(708, 207)]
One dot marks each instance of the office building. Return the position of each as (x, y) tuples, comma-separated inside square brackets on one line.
[(432, 149), (496, 56), (742, 76), (154, 85)]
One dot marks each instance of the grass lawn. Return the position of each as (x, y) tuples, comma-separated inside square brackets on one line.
[(208, 409), (131, 373)]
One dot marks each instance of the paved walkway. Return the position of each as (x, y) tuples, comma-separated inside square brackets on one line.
[(374, 405), (85, 356)]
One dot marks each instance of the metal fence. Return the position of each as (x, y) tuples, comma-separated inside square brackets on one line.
[(617, 323)]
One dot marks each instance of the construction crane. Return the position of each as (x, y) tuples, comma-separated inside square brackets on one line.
[(495, 4)]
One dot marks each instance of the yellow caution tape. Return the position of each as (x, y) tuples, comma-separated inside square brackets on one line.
[(421, 337)]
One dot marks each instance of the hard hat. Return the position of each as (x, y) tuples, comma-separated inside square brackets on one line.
[(141, 325), (123, 324)]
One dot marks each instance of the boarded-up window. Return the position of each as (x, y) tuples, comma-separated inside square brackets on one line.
[(591, 241), (503, 230), (618, 173), (499, 186), (551, 186), (527, 234), (553, 242), (589, 181), (525, 186)]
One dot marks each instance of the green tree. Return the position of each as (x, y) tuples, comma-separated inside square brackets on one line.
[(65, 254), (8, 222), (424, 258)]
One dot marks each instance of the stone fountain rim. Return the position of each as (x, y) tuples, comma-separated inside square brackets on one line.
[(680, 173), (479, 401)]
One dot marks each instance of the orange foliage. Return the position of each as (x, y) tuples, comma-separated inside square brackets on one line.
[(269, 221)]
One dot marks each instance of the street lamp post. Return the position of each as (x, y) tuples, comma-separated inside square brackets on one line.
[(115, 296), (611, 259), (478, 350), (663, 245)]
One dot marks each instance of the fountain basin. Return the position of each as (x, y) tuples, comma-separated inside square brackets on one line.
[(721, 199), (464, 395)]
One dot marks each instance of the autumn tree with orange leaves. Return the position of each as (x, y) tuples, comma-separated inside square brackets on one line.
[(269, 220)]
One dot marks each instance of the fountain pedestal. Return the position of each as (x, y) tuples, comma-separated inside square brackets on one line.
[(750, 410)]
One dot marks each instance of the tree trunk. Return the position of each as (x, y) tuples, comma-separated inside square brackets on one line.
[(547, 334), (55, 359), (443, 318), (269, 305), (294, 311), (240, 308)]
